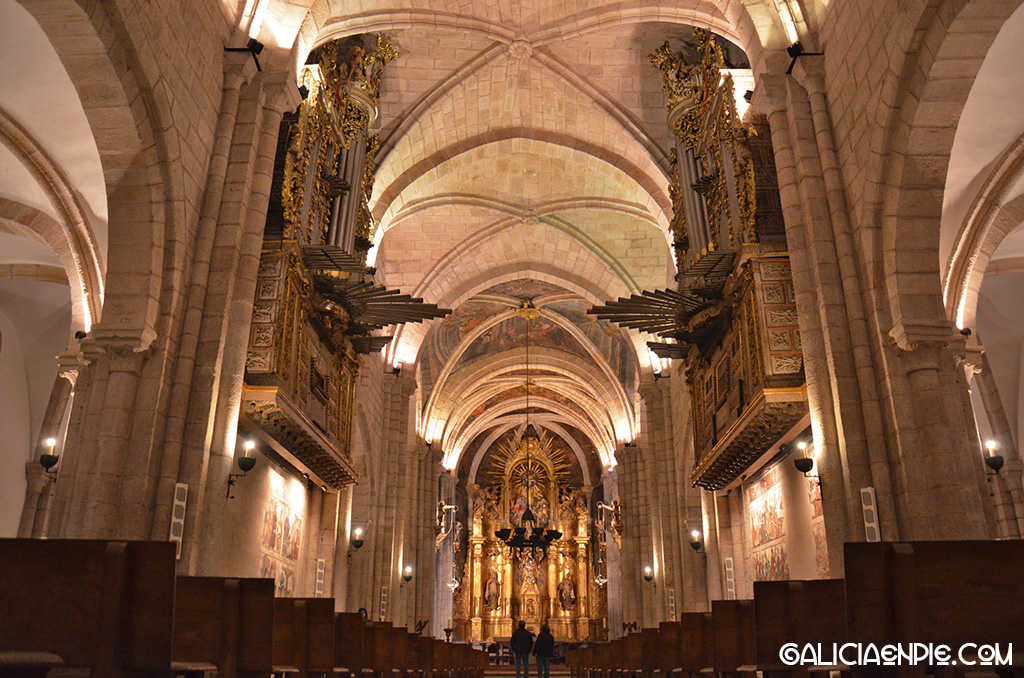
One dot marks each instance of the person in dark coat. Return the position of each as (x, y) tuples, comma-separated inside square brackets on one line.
[(522, 643), (542, 650)]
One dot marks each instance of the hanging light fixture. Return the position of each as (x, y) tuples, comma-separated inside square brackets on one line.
[(528, 535)]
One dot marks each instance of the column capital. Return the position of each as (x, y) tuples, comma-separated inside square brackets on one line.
[(281, 94), (770, 94), (239, 68), (69, 363), (809, 71)]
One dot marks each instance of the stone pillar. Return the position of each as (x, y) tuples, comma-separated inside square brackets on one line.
[(476, 606), (613, 560), (713, 561), (582, 599), (254, 148), (238, 70), (1009, 486), (841, 479)]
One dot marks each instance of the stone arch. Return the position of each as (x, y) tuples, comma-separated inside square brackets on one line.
[(990, 219), (325, 21), (122, 109), (86, 297), (933, 89), (657, 204), (604, 375), (460, 278), (505, 424)]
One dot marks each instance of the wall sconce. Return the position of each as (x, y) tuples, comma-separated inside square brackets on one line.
[(803, 463), (992, 460), (648, 574), (407, 574), (246, 463), (695, 540), (396, 370), (48, 459), (357, 538), (795, 51)]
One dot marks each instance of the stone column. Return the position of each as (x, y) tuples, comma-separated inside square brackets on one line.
[(613, 560), (582, 599), (1009, 486), (713, 562), (238, 70), (260, 128), (475, 561)]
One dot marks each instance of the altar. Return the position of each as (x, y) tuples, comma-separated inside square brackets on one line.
[(555, 586)]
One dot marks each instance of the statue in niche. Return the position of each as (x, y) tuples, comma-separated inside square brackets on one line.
[(567, 592), (530, 574), (491, 592)]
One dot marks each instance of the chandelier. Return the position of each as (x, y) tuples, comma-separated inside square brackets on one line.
[(528, 535)]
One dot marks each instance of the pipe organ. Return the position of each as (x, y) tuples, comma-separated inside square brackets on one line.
[(732, 317)]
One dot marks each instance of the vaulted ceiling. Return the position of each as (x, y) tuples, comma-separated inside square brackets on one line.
[(524, 169)]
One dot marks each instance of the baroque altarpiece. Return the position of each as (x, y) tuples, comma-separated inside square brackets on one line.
[(501, 585)]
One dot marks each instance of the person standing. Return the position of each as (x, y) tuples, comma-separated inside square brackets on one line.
[(522, 643), (543, 649)]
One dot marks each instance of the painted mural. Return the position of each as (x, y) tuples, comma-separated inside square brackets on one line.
[(280, 543), (511, 334), (767, 527), (445, 337), (818, 526), (605, 337)]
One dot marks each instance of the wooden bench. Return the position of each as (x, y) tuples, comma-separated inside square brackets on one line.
[(223, 624), (105, 606), (349, 644), (801, 612), (304, 636), (733, 636), (941, 592)]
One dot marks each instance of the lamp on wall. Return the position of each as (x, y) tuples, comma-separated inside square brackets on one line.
[(357, 538), (245, 462), (695, 540), (992, 460), (48, 459), (648, 574), (407, 574), (803, 463)]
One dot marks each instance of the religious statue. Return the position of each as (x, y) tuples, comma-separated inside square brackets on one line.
[(530, 574), (567, 592), (515, 514), (491, 592), (617, 521)]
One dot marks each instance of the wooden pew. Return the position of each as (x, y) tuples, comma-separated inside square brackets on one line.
[(801, 612), (102, 605), (350, 656), (425, 647), (696, 642), (630, 662), (940, 592), (400, 651), (223, 624), (733, 636), (304, 636), (650, 642), (377, 648)]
